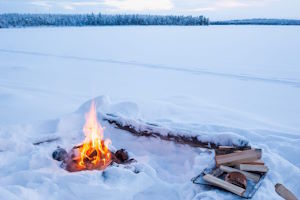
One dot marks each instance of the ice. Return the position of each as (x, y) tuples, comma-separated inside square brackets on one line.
[(227, 84)]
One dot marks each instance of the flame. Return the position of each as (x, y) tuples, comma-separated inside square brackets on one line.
[(94, 150)]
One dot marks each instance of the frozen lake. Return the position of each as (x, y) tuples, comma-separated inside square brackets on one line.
[(250, 70), (242, 80)]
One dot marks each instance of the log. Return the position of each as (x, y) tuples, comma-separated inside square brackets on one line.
[(284, 192), (224, 185), (256, 162), (122, 155), (237, 178), (238, 157), (222, 150), (253, 168), (217, 172), (251, 176), (171, 136)]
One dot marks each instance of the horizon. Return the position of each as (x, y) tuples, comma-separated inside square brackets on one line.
[(141, 14), (213, 9)]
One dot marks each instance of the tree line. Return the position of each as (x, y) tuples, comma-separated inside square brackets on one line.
[(258, 22), (28, 20)]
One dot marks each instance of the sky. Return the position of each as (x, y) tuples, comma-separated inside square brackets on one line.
[(214, 9)]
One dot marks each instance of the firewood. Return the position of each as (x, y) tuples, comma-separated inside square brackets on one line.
[(284, 192), (251, 176), (256, 162), (217, 172), (122, 155), (238, 157), (234, 147), (237, 178), (221, 150), (253, 168), (223, 184), (224, 151), (224, 147)]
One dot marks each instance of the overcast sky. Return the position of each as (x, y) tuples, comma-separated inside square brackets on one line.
[(214, 9)]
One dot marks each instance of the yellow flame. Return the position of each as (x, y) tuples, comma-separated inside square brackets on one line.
[(94, 148)]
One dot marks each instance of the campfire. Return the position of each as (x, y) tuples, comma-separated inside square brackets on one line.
[(93, 152)]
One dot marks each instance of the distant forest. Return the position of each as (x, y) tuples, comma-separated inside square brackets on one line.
[(30, 20), (258, 22), (27, 20)]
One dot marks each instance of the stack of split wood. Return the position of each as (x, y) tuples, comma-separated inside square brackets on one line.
[(237, 170)]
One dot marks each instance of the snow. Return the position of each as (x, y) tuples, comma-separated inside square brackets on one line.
[(225, 83)]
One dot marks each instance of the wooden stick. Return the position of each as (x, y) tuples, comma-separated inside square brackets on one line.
[(223, 184), (46, 141), (253, 168), (284, 192), (251, 176), (238, 157)]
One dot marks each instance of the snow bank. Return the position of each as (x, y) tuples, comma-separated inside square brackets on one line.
[(163, 168)]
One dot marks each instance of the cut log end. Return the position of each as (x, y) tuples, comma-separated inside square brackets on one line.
[(237, 178), (284, 192)]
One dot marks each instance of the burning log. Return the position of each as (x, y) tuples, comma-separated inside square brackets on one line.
[(71, 159)]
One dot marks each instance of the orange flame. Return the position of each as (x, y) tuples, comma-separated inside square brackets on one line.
[(94, 150)]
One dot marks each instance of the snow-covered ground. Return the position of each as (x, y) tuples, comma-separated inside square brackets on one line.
[(240, 81)]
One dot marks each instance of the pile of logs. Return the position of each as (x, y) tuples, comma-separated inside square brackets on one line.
[(237, 169)]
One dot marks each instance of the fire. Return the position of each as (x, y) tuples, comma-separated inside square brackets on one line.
[(94, 152)]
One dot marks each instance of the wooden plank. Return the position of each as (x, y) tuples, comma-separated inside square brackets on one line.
[(253, 168), (251, 176), (238, 157), (256, 162), (284, 192), (223, 184)]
